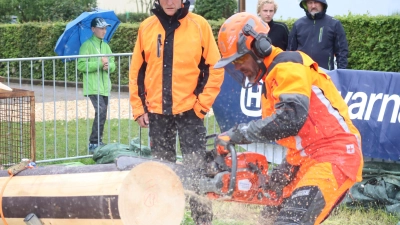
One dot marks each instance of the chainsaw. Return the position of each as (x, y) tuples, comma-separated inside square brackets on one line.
[(238, 177)]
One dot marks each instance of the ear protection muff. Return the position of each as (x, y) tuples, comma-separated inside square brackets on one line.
[(262, 46)]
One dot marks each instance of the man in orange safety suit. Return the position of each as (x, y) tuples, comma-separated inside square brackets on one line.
[(301, 110)]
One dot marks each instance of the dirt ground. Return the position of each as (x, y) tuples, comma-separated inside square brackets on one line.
[(238, 213), (71, 110), (68, 103), (226, 212)]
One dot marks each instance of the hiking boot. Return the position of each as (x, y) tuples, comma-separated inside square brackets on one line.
[(204, 223), (201, 209), (269, 214), (92, 148)]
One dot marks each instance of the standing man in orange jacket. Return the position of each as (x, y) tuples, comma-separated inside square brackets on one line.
[(301, 110), (173, 84)]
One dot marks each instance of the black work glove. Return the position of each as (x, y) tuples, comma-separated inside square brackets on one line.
[(280, 177), (232, 136)]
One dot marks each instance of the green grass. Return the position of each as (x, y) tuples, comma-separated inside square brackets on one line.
[(72, 140), (62, 139), (370, 216), (72, 137), (228, 213)]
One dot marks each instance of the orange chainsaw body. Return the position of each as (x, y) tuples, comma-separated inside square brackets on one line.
[(252, 170)]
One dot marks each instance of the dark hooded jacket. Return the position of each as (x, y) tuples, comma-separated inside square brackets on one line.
[(278, 34), (321, 37)]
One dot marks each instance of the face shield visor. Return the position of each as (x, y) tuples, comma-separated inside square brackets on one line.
[(246, 70)]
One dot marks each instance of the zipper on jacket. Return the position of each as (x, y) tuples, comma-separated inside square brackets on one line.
[(159, 45), (102, 71), (101, 42), (312, 40)]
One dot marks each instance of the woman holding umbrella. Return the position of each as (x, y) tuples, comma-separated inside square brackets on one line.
[(96, 79)]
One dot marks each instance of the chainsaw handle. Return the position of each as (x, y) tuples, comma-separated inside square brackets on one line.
[(232, 180)]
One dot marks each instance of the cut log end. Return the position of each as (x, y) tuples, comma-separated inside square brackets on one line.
[(151, 194)]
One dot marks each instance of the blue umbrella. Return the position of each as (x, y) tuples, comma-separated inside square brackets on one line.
[(79, 30)]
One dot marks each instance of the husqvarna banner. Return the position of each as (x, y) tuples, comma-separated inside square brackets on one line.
[(373, 99)]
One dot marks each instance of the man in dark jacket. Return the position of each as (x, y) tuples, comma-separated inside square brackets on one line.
[(319, 35)]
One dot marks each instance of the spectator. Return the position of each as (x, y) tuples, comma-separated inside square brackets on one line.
[(320, 36), (173, 85), (301, 110), (96, 79), (278, 32)]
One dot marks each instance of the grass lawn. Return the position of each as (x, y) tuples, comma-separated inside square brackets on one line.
[(62, 139), (227, 213)]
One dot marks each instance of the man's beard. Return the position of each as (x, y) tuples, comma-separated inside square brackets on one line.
[(314, 12)]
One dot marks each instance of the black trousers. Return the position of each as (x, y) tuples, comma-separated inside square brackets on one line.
[(192, 139), (100, 104)]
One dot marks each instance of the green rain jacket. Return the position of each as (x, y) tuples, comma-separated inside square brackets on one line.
[(96, 81)]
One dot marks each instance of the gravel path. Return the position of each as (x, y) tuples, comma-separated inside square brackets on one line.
[(61, 103), (71, 110), (68, 103)]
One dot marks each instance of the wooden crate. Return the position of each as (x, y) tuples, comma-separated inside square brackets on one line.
[(17, 126)]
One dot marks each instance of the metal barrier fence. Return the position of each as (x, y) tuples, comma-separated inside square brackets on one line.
[(64, 116)]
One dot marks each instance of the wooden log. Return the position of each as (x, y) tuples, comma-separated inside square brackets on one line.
[(150, 193)]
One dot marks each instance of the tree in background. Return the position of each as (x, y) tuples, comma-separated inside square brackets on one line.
[(43, 10), (215, 10), (143, 6), (132, 17)]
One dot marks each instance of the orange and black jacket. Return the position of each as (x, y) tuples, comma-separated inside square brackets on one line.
[(303, 111), (172, 67)]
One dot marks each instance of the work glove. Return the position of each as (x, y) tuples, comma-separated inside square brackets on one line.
[(232, 136), (280, 177), (221, 143)]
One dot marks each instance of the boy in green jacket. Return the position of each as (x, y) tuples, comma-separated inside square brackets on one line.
[(96, 79)]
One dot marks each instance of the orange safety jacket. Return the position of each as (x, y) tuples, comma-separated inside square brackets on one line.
[(303, 111), (172, 67)]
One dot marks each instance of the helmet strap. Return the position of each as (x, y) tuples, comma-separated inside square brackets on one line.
[(262, 68)]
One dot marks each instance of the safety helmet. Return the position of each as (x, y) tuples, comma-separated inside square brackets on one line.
[(243, 33)]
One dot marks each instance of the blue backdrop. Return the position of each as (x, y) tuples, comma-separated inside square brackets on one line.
[(373, 99)]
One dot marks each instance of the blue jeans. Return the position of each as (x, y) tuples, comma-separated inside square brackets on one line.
[(100, 104)]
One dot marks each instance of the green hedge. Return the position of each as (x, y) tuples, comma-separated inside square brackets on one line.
[(39, 39), (131, 17), (373, 42), (373, 45)]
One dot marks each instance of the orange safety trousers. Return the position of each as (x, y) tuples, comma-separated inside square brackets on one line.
[(332, 183)]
